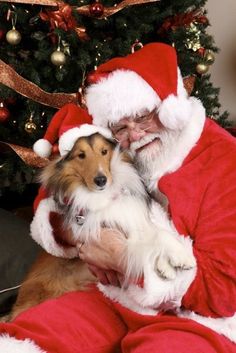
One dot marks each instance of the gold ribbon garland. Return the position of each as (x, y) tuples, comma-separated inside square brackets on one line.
[(85, 10), (10, 78), (109, 11), (27, 155)]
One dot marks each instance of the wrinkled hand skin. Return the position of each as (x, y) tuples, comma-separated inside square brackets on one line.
[(104, 256)]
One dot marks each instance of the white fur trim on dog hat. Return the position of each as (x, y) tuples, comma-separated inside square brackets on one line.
[(65, 127), (145, 80), (68, 138)]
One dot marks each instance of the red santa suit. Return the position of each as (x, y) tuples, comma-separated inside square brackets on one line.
[(89, 322), (198, 180)]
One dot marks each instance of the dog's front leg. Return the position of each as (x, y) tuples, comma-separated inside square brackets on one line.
[(172, 253), (172, 250)]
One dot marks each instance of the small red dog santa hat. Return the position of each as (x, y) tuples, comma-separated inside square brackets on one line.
[(66, 126), (147, 79)]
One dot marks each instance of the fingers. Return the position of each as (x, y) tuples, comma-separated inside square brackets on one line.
[(99, 274), (79, 246), (113, 278), (105, 277)]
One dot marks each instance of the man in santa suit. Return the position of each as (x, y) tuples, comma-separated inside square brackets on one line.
[(187, 163)]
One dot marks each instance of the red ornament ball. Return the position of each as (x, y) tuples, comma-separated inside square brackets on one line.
[(96, 9), (201, 51), (2, 34), (4, 114)]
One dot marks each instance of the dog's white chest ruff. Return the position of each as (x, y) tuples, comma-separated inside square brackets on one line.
[(125, 212), (153, 247)]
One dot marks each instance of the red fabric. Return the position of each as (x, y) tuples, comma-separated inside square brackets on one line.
[(203, 205), (87, 322), (203, 208), (59, 232), (42, 194), (160, 74), (70, 115)]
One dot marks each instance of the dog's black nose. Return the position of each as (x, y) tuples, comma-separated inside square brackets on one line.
[(100, 180)]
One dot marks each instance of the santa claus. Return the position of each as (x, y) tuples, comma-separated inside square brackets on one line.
[(187, 163)]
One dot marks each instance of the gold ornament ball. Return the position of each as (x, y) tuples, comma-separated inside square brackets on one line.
[(13, 37), (58, 58), (30, 127), (202, 68), (209, 56)]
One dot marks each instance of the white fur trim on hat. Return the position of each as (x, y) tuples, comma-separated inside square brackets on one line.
[(123, 93), (42, 148), (69, 137)]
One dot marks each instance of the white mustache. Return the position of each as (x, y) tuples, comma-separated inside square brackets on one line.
[(145, 140)]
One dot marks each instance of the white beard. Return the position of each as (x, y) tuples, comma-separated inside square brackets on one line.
[(153, 160), (167, 154)]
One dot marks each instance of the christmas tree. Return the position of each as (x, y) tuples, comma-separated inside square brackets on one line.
[(47, 48)]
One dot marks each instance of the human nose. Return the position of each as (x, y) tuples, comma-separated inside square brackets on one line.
[(135, 134)]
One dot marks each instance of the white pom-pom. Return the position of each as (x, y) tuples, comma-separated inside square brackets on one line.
[(175, 112), (42, 148)]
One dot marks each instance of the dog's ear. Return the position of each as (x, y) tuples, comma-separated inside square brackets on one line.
[(51, 174), (113, 142)]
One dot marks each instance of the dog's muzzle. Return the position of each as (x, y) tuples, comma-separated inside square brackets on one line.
[(100, 180)]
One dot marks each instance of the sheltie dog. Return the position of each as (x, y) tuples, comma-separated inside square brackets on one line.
[(96, 185)]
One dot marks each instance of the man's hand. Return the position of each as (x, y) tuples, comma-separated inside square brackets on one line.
[(105, 257)]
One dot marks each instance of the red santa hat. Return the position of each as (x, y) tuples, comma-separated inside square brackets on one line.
[(145, 80), (65, 127)]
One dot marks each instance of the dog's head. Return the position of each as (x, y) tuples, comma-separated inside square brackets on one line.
[(87, 164)]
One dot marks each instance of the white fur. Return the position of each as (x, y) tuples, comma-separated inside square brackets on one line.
[(175, 112), (68, 138), (175, 145), (152, 247), (123, 93), (225, 326), (42, 232), (12, 345), (42, 148)]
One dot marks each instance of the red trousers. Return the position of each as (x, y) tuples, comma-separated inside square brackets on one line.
[(87, 322)]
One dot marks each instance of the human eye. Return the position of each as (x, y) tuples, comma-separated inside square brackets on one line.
[(139, 119), (118, 129)]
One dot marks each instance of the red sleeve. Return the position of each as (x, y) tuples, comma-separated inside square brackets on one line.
[(56, 220), (42, 194), (59, 233), (213, 291)]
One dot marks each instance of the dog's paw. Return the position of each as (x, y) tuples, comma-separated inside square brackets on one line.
[(173, 254), (181, 257), (164, 268)]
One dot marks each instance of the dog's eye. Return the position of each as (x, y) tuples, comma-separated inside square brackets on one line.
[(104, 152), (81, 155)]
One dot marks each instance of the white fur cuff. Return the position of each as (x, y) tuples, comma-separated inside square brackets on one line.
[(42, 232), (12, 345)]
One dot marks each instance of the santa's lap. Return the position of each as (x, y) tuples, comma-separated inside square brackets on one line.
[(89, 322)]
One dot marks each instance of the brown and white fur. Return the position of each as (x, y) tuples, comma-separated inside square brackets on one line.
[(97, 180)]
